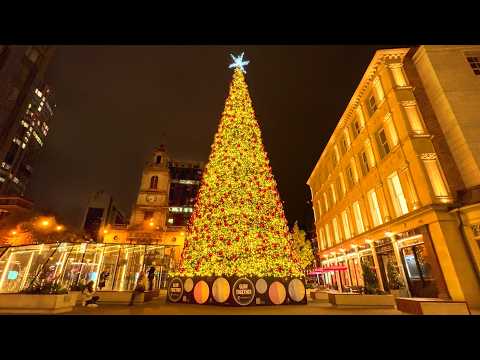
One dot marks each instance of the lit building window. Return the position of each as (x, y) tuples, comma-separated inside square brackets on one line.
[(322, 240), (360, 117), (346, 140), (353, 170), (350, 177), (346, 225), (357, 123), (371, 104), (338, 189), (369, 152), (336, 155), (334, 195), (358, 217), (38, 138), (153, 182), (396, 193), (414, 119), (382, 142), (365, 166), (342, 184), (170, 221), (325, 201), (398, 75), (319, 207), (436, 177), (392, 132), (374, 208), (336, 231), (327, 235), (377, 84)]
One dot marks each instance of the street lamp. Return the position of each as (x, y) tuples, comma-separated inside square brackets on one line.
[(59, 228)]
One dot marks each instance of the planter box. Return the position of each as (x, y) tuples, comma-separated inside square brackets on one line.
[(78, 294), (118, 297), (399, 293), (359, 300), (36, 304), (150, 295), (432, 306), (321, 295)]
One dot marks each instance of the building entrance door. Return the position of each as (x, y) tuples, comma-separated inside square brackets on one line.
[(418, 272)]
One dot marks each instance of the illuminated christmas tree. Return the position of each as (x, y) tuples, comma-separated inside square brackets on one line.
[(238, 226)]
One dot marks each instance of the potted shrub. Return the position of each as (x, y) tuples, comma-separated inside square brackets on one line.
[(370, 279), (41, 288), (394, 282)]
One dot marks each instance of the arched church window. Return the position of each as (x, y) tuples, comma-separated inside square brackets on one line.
[(153, 182)]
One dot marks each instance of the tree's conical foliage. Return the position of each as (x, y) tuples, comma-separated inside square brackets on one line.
[(238, 226)]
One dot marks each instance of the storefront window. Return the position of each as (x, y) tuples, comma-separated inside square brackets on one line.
[(418, 271), (19, 266), (110, 266)]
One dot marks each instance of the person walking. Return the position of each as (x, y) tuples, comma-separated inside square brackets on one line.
[(139, 287), (89, 297), (103, 279), (151, 277)]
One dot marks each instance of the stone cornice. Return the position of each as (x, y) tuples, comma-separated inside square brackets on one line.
[(379, 58)]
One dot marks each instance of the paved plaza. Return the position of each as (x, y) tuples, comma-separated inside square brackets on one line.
[(160, 307)]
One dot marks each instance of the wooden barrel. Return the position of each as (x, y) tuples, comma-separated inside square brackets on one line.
[(243, 291), (201, 292), (221, 290), (296, 290), (188, 285), (261, 286), (175, 290), (277, 293)]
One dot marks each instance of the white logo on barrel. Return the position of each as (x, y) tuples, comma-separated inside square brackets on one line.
[(175, 290), (243, 291)]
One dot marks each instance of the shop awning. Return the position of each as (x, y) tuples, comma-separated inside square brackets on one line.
[(327, 269)]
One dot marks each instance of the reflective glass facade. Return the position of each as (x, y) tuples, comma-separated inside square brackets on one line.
[(69, 265)]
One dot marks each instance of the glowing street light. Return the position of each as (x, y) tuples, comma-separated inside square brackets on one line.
[(45, 223), (13, 232), (59, 227), (151, 223), (105, 231)]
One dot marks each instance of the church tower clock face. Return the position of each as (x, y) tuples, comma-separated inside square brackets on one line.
[(151, 198)]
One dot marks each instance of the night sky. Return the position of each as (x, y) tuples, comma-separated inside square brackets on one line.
[(116, 103)]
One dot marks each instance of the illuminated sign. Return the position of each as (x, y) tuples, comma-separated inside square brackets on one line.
[(12, 275), (243, 291), (175, 290)]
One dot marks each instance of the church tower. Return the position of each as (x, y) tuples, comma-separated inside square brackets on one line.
[(151, 208)]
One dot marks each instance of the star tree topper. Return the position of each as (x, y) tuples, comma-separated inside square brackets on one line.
[(239, 62)]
